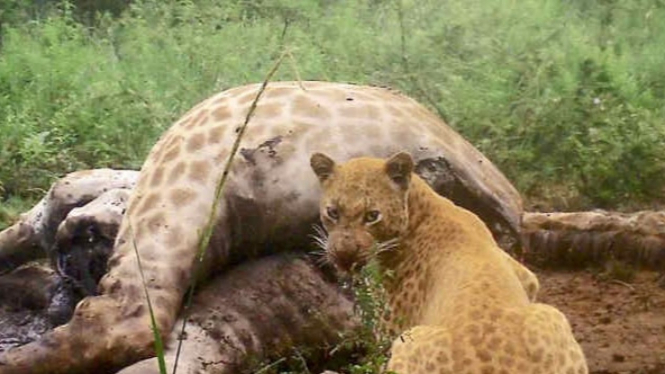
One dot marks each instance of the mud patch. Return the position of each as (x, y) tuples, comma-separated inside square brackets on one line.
[(24, 296), (21, 327), (621, 326)]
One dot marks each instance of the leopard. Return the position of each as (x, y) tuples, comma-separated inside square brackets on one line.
[(454, 299)]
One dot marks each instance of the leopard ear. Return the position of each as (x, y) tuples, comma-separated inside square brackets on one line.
[(322, 165), (399, 168)]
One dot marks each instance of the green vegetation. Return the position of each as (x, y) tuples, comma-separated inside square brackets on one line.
[(567, 97), (364, 351)]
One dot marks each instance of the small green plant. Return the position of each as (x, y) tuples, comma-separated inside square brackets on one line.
[(372, 306), (371, 342)]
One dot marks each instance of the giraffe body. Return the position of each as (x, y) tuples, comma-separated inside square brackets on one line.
[(269, 201), (262, 308), (457, 300)]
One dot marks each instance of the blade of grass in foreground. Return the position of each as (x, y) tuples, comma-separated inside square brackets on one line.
[(204, 238), (159, 344)]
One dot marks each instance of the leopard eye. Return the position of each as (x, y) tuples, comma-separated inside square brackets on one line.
[(372, 216), (332, 213)]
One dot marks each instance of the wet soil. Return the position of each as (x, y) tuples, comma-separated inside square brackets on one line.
[(24, 296), (620, 325)]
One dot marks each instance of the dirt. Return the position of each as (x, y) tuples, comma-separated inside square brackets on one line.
[(24, 296), (620, 325)]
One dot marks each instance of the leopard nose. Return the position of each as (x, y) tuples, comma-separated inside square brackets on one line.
[(345, 261), (349, 261)]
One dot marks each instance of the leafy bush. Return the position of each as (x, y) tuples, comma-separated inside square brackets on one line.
[(565, 96)]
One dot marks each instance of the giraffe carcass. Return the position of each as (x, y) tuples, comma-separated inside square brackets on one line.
[(268, 204)]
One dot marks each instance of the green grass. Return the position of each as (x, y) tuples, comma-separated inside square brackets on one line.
[(565, 96), (10, 209)]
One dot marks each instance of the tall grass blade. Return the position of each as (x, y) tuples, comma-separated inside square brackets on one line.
[(208, 229), (159, 343)]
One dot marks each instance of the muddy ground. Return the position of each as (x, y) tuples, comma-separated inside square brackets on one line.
[(620, 325)]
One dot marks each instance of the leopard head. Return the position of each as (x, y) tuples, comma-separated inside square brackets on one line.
[(363, 208)]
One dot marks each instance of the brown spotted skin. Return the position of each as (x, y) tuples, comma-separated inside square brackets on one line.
[(270, 197), (460, 303)]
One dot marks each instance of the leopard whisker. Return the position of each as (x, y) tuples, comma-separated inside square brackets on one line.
[(320, 231), (321, 243), (323, 260), (318, 253), (386, 246), (320, 237)]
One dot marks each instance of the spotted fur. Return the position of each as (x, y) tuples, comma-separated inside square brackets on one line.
[(454, 296)]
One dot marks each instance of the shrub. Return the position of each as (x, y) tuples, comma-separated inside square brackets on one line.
[(565, 96)]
